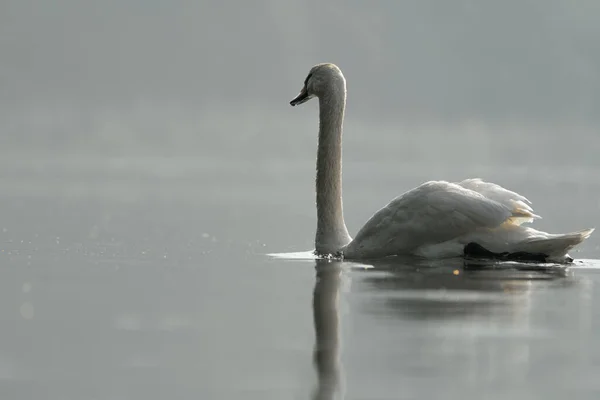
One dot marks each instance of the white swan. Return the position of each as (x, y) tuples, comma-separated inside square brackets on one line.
[(435, 220)]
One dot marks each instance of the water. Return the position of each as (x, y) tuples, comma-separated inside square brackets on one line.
[(148, 278)]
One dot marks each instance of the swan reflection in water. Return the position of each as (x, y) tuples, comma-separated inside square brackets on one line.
[(454, 288), (441, 292), (326, 353)]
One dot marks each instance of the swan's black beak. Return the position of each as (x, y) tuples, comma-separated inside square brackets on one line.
[(302, 97)]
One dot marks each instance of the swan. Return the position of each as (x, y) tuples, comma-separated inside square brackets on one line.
[(435, 220)]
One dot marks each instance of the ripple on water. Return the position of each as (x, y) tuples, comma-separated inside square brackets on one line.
[(577, 264), (299, 255), (586, 264)]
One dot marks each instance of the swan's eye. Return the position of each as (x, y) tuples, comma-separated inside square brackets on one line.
[(306, 80)]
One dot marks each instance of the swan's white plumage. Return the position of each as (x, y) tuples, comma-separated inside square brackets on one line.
[(436, 219), (431, 213), (521, 206)]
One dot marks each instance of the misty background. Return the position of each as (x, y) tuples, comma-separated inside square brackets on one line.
[(138, 77), (195, 95), (198, 93)]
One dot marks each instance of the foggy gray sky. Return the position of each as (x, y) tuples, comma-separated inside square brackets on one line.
[(72, 70)]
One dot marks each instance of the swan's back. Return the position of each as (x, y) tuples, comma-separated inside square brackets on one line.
[(433, 212), (438, 219)]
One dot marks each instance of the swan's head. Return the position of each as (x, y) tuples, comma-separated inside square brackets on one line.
[(321, 80)]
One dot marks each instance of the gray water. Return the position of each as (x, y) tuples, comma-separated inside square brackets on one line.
[(148, 278)]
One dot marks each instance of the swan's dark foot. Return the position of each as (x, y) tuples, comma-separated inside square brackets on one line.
[(338, 255), (477, 251)]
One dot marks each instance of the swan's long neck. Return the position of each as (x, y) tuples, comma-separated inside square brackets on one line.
[(331, 229)]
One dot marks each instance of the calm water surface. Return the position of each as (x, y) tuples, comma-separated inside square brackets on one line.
[(148, 278)]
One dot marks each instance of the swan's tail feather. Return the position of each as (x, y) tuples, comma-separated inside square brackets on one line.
[(555, 247), (540, 247)]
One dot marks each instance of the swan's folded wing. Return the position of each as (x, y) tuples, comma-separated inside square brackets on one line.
[(434, 212), (520, 205)]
